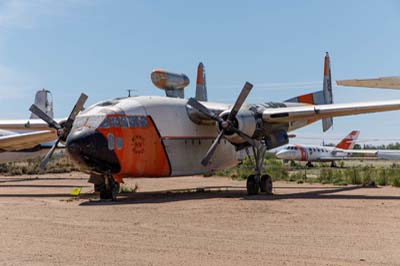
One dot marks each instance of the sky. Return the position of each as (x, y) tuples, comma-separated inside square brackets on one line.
[(105, 47)]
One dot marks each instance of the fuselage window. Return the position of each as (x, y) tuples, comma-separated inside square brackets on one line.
[(110, 139), (118, 142)]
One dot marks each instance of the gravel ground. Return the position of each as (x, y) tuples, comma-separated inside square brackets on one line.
[(170, 222)]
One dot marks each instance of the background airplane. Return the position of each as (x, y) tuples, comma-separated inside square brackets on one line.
[(28, 141), (152, 136), (342, 151), (319, 153)]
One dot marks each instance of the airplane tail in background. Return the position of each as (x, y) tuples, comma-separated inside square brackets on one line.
[(320, 97), (44, 101), (349, 141), (201, 87)]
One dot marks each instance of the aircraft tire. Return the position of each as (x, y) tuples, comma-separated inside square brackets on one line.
[(252, 185), (266, 184), (110, 192)]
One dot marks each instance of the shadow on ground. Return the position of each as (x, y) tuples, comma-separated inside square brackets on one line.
[(197, 194)]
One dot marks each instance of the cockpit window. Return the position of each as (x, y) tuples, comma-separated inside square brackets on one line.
[(123, 122), (95, 121), (79, 122), (114, 121), (137, 121), (105, 123)]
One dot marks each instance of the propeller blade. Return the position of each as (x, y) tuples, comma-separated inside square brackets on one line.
[(240, 100), (39, 112), (47, 158), (75, 111), (212, 149), (202, 109), (245, 136)]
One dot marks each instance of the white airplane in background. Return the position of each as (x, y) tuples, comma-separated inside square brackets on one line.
[(318, 153), (342, 151), (28, 142)]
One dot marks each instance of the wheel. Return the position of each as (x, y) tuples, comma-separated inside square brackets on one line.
[(333, 164), (266, 184), (110, 190), (309, 164), (252, 185)]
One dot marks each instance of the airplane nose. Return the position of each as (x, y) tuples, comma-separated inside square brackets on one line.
[(89, 148), (283, 154)]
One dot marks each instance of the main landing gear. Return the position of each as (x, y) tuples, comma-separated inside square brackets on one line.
[(258, 182), (106, 186)]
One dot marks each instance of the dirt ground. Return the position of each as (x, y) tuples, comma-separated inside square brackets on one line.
[(41, 224)]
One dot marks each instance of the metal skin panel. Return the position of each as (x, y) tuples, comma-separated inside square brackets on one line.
[(186, 154)]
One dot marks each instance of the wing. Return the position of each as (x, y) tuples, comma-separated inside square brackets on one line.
[(384, 82), (24, 124), (315, 112), (23, 141)]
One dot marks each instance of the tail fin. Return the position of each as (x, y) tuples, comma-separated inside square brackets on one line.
[(327, 90), (320, 97), (201, 87), (349, 141), (44, 101)]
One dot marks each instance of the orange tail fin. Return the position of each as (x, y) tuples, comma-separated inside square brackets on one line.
[(349, 141)]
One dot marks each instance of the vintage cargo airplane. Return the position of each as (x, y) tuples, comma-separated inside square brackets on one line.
[(152, 136)]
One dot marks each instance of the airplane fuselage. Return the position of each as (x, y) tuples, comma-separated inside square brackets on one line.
[(145, 137), (311, 153)]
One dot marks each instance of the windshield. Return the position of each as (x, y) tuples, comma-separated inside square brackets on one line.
[(88, 121)]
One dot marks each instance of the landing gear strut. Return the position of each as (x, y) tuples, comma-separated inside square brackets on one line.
[(258, 182), (108, 188)]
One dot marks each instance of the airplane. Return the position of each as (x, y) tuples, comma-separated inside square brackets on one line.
[(318, 153), (155, 136), (27, 143), (342, 151)]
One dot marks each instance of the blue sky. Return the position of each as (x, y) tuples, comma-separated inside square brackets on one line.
[(105, 47)]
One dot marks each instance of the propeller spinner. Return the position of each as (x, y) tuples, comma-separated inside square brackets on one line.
[(63, 129), (225, 124)]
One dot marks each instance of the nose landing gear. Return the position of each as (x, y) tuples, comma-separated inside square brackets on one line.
[(106, 186)]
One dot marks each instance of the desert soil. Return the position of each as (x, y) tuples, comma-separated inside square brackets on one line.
[(168, 222)]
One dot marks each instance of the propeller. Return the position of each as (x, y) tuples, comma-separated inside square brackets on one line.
[(226, 124), (63, 129)]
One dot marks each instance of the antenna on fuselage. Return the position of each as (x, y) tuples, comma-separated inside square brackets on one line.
[(129, 92)]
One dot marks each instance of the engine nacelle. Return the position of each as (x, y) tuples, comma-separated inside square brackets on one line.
[(245, 121), (172, 83), (276, 139)]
